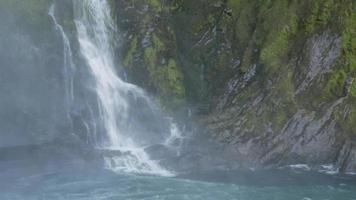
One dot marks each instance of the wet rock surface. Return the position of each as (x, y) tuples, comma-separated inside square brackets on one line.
[(310, 136), (271, 84)]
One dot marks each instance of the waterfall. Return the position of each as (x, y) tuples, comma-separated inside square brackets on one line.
[(68, 68), (121, 104)]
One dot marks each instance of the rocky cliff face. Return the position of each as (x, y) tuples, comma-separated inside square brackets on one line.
[(271, 80)]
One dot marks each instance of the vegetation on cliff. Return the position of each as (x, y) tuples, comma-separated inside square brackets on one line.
[(212, 42), (251, 67)]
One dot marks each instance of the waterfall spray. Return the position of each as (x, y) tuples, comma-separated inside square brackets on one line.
[(96, 33), (68, 68)]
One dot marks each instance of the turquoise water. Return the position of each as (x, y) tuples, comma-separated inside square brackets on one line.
[(98, 185)]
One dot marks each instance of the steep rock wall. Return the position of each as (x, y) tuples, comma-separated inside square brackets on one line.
[(273, 80)]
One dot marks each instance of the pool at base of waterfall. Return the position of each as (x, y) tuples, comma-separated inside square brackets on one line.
[(82, 184)]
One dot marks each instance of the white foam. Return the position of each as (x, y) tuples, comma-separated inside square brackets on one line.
[(96, 35), (329, 169), (304, 167)]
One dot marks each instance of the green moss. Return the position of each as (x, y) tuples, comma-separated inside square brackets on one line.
[(244, 19), (273, 53), (350, 122), (158, 44), (133, 49), (345, 68), (235, 5), (283, 94), (279, 23), (150, 56), (247, 59), (155, 4), (346, 117), (353, 89), (166, 77), (269, 33), (174, 76), (200, 26), (346, 65), (251, 121), (335, 85), (280, 119), (320, 14), (349, 40), (174, 85)]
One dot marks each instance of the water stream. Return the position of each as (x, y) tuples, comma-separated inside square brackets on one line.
[(133, 139), (68, 63), (116, 98)]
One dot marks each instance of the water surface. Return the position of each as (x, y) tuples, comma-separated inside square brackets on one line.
[(84, 184)]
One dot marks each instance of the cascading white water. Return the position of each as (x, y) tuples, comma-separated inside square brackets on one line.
[(96, 35)]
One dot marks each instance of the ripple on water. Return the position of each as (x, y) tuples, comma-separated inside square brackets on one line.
[(104, 185)]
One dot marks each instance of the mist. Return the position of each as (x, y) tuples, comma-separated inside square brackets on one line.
[(113, 99)]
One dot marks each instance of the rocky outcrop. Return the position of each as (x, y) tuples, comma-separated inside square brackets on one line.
[(311, 136), (272, 81), (347, 157), (324, 50)]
